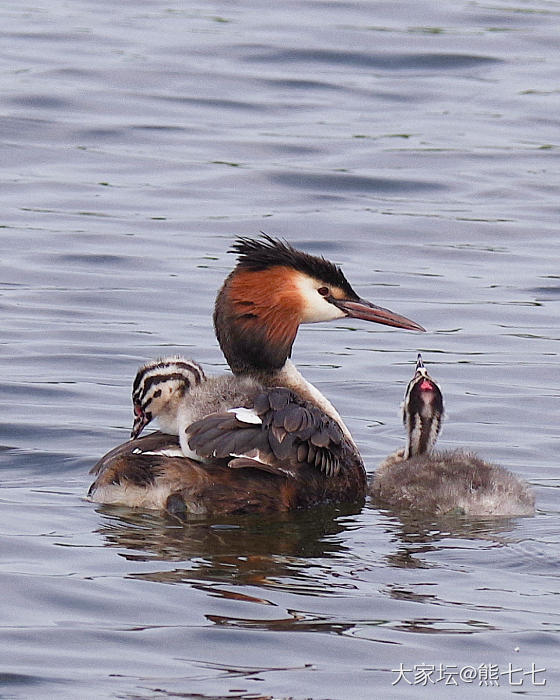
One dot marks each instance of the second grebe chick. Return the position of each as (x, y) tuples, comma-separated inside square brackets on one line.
[(452, 482)]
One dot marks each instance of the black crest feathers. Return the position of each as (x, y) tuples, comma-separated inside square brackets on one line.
[(266, 252)]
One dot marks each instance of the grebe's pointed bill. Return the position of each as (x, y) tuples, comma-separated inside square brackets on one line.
[(365, 310), (419, 372), (141, 420)]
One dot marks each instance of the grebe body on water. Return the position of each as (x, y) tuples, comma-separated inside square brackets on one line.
[(264, 439)]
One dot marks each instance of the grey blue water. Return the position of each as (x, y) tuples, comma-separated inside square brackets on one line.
[(417, 144)]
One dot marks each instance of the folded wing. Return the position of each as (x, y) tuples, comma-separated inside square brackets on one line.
[(278, 433)]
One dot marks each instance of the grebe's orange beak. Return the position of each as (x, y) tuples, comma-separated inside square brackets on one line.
[(367, 311)]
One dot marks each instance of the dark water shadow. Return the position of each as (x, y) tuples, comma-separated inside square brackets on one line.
[(413, 61), (415, 535), (241, 550), (255, 560)]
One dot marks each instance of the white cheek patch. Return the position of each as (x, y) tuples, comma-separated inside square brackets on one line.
[(246, 415), (315, 307)]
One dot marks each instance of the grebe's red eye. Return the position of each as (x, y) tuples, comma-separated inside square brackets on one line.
[(323, 291), (138, 410)]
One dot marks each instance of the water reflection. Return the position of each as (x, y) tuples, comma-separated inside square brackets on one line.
[(238, 550), (245, 560), (416, 535)]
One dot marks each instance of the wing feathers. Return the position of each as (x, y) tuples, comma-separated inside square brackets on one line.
[(284, 430)]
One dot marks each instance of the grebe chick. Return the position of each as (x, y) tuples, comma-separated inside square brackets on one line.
[(280, 444), (176, 392), (458, 482)]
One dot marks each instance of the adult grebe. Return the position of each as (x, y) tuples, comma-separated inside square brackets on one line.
[(292, 445), (456, 482)]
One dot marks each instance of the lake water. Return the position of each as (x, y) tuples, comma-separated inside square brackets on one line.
[(415, 143)]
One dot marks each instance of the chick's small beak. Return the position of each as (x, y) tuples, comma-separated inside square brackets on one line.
[(367, 311), (140, 421)]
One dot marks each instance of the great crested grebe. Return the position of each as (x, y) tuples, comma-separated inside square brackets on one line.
[(438, 483), (265, 439)]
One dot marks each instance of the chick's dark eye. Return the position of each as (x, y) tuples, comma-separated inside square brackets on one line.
[(323, 291)]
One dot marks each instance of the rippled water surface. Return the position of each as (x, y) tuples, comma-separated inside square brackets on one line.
[(416, 144)]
